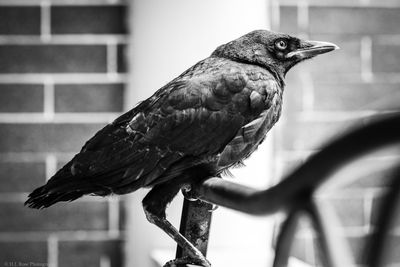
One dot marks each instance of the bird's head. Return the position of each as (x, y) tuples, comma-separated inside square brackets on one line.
[(277, 52)]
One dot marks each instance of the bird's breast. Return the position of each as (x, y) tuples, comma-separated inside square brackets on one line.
[(265, 101)]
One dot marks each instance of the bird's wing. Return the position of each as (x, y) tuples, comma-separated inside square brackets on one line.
[(187, 119)]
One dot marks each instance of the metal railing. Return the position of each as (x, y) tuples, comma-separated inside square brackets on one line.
[(295, 195)]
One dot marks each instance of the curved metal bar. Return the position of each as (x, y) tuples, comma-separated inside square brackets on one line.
[(306, 178), (285, 238), (378, 243), (336, 250)]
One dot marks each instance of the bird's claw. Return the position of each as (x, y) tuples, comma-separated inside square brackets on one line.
[(188, 193), (214, 207), (182, 262)]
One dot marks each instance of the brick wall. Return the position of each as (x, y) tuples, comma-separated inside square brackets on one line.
[(62, 77), (332, 92)]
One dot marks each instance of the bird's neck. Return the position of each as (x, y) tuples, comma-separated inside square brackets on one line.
[(278, 74)]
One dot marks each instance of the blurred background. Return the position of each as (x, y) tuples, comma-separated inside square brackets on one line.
[(68, 67)]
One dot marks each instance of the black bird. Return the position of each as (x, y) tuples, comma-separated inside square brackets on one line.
[(208, 119)]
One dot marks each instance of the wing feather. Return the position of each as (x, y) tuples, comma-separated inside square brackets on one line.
[(189, 121)]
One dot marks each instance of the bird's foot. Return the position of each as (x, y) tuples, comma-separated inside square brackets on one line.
[(191, 195), (188, 193), (182, 262), (214, 207)]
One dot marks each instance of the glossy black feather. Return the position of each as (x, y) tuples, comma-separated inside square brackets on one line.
[(216, 114)]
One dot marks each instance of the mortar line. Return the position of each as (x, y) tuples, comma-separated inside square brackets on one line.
[(21, 157), (113, 217), (275, 14), (310, 253), (335, 116), (52, 250), (71, 235), (304, 234), (346, 3), (49, 98), (366, 59), (64, 78), (112, 58), (64, 2), (302, 17), (73, 118), (307, 86), (70, 39), (45, 21), (367, 209), (21, 197), (51, 165)]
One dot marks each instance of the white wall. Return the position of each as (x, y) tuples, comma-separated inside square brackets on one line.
[(167, 38)]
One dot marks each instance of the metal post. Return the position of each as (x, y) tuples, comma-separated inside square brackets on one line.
[(195, 225)]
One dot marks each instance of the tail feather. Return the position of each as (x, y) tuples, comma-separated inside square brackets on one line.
[(40, 198), (63, 186)]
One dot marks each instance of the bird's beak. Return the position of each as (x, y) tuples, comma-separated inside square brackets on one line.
[(312, 48)]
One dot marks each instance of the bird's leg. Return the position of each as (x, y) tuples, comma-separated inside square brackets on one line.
[(155, 204)]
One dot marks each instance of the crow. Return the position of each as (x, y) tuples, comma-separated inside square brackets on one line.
[(203, 122)]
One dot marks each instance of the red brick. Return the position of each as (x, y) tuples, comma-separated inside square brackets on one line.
[(89, 253), (288, 20), (63, 216), (21, 98), (386, 58), (354, 20), (301, 247), (300, 250), (89, 98), (319, 257), (377, 208), (61, 163), (371, 173), (356, 96), (52, 58), (350, 211), (394, 248), (357, 246), (122, 58), (45, 137), (15, 252), (375, 179), (123, 207), (309, 135), (88, 19), (19, 20), (289, 166), (345, 60), (21, 176)]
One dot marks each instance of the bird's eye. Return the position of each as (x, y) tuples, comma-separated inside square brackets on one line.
[(281, 44)]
